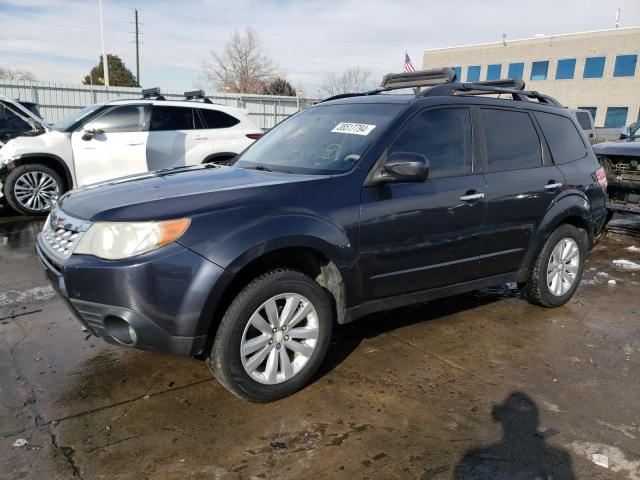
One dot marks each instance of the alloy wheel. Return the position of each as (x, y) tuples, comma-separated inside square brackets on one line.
[(563, 266), (36, 191)]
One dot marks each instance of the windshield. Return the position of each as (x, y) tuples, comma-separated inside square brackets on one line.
[(71, 121), (322, 140)]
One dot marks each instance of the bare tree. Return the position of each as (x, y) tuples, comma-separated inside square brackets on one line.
[(352, 80), (13, 74), (242, 67)]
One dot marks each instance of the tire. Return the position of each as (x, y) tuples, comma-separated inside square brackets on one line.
[(247, 376), (537, 290), (32, 176)]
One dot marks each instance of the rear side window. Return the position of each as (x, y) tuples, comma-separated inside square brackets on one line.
[(511, 139), (584, 120), (217, 119), (444, 137), (171, 118), (565, 142)]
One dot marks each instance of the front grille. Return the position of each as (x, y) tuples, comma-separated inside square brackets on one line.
[(60, 241)]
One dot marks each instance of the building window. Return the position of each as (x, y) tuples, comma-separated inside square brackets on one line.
[(516, 70), (473, 73), (494, 71), (539, 70), (625, 66), (594, 67), (566, 69), (591, 110), (616, 117), (458, 72)]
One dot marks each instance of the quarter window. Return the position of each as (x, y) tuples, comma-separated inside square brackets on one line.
[(473, 73), (516, 70), (444, 137), (171, 118), (539, 70), (494, 71), (616, 117), (584, 120), (127, 118), (217, 119), (593, 67), (566, 69), (565, 142), (625, 66), (511, 139)]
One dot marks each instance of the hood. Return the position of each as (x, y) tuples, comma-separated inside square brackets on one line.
[(180, 192), (27, 115), (627, 148)]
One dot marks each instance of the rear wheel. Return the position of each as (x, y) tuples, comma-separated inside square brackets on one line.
[(558, 269), (32, 189), (273, 337)]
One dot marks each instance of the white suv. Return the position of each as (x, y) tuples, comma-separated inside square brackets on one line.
[(119, 138)]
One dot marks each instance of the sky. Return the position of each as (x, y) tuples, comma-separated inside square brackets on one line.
[(59, 40)]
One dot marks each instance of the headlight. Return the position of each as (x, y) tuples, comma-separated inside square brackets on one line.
[(116, 240)]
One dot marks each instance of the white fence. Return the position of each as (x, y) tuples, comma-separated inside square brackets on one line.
[(58, 101)]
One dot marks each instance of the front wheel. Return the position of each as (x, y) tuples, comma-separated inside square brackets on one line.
[(32, 189), (273, 337), (558, 269)]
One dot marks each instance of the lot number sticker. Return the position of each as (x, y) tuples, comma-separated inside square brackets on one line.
[(353, 128)]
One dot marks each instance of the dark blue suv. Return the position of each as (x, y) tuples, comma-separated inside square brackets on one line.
[(361, 203)]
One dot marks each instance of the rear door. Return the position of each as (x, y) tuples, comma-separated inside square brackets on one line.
[(172, 137), (117, 150), (521, 186), (418, 236)]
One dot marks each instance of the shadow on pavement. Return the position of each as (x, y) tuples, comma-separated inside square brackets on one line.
[(522, 453)]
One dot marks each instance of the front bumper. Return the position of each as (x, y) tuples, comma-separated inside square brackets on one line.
[(163, 296)]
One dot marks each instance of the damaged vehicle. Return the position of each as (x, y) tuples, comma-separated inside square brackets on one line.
[(18, 119), (621, 162)]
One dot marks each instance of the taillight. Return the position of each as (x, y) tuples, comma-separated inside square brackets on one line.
[(601, 176), (254, 136)]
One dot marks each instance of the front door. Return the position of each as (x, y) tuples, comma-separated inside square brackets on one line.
[(116, 147), (418, 236)]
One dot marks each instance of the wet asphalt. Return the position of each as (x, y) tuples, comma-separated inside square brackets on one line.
[(481, 385)]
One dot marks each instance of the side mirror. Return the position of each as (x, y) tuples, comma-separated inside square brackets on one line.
[(90, 132), (405, 167), (625, 132)]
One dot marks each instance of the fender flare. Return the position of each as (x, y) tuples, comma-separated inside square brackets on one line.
[(573, 205)]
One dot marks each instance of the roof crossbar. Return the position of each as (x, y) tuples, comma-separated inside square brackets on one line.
[(482, 88), (420, 78), (152, 93), (196, 95)]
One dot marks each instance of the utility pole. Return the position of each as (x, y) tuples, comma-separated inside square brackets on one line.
[(617, 18), (137, 50), (105, 62)]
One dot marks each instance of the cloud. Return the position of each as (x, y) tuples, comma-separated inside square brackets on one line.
[(307, 39)]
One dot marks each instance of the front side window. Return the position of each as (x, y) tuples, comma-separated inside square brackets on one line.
[(616, 117), (217, 119), (171, 118), (127, 118), (325, 139), (625, 66), (473, 73), (10, 123), (516, 70), (565, 142), (511, 140), (539, 70), (566, 69), (594, 67), (494, 71), (444, 137)]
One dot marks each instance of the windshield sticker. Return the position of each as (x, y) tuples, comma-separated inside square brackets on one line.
[(353, 128)]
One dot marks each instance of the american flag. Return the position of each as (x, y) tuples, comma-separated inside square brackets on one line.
[(408, 65)]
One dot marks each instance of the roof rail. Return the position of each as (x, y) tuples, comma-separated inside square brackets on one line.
[(484, 88), (395, 81), (152, 93), (197, 95)]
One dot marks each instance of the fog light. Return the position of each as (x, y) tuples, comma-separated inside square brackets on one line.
[(120, 330)]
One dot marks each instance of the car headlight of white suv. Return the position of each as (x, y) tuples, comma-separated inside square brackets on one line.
[(118, 240)]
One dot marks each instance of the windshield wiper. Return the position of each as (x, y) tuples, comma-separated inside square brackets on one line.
[(262, 168)]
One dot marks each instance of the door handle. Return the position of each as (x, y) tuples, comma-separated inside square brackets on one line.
[(201, 138), (471, 197), (133, 144), (552, 186)]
